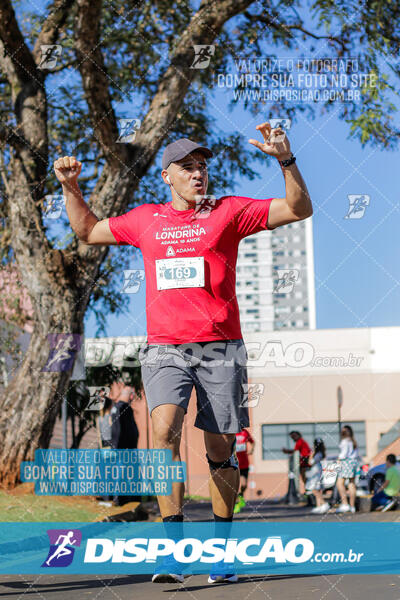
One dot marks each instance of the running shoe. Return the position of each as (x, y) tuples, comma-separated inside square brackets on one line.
[(218, 575), (169, 571), (237, 508), (321, 510), (343, 508), (213, 578), (389, 505)]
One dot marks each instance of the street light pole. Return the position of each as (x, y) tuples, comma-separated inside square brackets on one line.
[(339, 407)]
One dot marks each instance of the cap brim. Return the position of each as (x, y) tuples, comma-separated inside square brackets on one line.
[(206, 151)]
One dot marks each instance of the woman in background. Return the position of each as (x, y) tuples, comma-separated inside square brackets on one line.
[(348, 458), (105, 423), (314, 477)]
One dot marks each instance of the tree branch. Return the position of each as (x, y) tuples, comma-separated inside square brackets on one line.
[(94, 78), (52, 26), (283, 27), (203, 29), (20, 62)]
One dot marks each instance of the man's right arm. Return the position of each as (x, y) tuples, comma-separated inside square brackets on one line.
[(84, 222)]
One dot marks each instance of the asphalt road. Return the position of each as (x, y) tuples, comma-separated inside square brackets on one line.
[(255, 587), (258, 587)]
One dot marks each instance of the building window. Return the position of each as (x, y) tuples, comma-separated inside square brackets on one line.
[(275, 437)]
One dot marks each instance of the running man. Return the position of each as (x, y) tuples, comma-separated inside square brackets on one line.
[(189, 255), (304, 450), (242, 439), (63, 541)]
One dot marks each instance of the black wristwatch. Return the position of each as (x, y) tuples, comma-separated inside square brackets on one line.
[(288, 161)]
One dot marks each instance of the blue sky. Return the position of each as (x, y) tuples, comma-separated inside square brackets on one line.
[(357, 266)]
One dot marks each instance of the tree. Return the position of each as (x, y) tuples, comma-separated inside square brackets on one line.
[(139, 54)]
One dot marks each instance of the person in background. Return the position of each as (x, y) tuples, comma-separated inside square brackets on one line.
[(314, 477), (124, 431), (304, 450), (105, 422), (242, 439), (104, 430), (349, 459), (384, 497)]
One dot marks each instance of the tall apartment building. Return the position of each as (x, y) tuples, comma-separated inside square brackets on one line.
[(275, 279)]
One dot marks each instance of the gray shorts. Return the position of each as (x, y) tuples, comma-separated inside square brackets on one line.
[(216, 369)]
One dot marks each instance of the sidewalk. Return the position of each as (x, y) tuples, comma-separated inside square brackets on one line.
[(260, 510)]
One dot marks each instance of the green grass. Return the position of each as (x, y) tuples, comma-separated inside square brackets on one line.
[(22, 505), (29, 507), (197, 498)]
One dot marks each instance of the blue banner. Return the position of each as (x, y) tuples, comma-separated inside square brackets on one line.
[(244, 547), (103, 472)]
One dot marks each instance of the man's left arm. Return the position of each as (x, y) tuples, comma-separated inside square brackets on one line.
[(251, 450), (296, 206), (383, 486)]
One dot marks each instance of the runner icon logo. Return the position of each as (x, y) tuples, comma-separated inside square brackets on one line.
[(61, 551)]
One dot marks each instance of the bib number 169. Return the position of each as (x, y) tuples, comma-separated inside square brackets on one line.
[(180, 273)]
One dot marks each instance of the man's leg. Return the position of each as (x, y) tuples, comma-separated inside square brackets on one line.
[(243, 484), (303, 478), (167, 421), (223, 482), (378, 499)]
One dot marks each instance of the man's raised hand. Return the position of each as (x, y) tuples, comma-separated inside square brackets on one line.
[(67, 169), (275, 142)]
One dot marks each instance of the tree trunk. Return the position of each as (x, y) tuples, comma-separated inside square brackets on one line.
[(29, 408)]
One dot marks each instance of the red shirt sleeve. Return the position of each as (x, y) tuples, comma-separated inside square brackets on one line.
[(249, 215), (126, 228)]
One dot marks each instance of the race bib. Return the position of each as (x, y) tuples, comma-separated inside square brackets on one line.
[(241, 447), (180, 272)]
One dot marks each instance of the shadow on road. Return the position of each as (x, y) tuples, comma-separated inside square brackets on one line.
[(74, 583)]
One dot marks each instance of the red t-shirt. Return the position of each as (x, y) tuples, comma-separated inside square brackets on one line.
[(241, 448), (303, 448), (191, 314)]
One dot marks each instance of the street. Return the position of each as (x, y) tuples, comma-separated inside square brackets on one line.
[(254, 587)]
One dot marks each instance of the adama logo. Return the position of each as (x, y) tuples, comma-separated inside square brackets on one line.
[(62, 542), (170, 251)]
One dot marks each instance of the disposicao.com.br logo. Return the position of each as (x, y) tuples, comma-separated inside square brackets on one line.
[(141, 547), (187, 551)]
